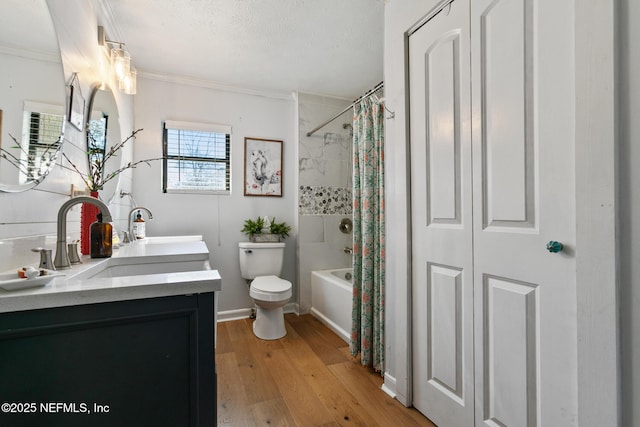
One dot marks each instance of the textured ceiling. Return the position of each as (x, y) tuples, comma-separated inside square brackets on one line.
[(330, 47)]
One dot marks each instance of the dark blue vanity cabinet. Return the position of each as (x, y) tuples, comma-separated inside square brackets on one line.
[(147, 362)]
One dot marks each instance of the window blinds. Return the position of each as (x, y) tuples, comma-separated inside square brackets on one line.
[(197, 157)]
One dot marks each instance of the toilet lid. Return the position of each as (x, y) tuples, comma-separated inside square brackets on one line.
[(272, 284)]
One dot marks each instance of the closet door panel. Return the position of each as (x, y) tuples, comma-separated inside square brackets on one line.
[(442, 262), (508, 152), (510, 351), (524, 197), (443, 137)]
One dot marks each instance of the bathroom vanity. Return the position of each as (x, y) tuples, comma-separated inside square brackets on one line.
[(127, 340)]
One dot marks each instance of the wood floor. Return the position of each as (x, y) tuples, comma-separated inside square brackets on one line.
[(305, 379)]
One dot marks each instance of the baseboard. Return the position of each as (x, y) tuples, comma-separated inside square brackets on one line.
[(245, 313), (291, 308), (389, 385), (228, 315)]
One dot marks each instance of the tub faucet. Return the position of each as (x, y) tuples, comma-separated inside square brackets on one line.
[(61, 260), (347, 250), (141, 208)]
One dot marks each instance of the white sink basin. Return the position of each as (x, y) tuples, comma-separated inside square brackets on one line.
[(153, 255), (112, 269)]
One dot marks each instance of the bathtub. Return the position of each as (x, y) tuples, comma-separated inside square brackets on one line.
[(331, 294)]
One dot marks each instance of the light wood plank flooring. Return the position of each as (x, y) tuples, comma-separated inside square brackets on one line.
[(305, 379)]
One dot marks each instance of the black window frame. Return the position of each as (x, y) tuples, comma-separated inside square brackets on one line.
[(166, 157)]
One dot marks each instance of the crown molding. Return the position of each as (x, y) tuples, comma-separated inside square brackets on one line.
[(208, 84), (107, 18)]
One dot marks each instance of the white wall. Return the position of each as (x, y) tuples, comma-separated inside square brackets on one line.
[(629, 206), (218, 218)]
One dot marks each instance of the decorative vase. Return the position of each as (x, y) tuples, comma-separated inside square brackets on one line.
[(88, 214)]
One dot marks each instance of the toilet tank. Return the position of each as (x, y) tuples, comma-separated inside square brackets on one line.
[(260, 259)]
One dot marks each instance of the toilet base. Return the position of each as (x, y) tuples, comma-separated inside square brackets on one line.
[(269, 324)]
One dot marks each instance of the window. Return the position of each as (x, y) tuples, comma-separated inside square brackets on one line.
[(97, 137), (197, 158), (41, 131)]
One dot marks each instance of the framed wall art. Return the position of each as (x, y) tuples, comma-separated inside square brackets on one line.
[(76, 104), (262, 167)]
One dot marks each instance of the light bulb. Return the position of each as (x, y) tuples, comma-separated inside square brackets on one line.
[(120, 63), (128, 84)]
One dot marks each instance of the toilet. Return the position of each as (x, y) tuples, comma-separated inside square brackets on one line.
[(261, 263)]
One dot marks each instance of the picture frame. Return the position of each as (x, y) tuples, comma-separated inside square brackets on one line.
[(76, 105), (263, 167)]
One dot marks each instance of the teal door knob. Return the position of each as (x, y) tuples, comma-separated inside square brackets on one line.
[(554, 247)]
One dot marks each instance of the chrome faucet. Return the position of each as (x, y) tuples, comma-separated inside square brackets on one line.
[(141, 208), (61, 260)]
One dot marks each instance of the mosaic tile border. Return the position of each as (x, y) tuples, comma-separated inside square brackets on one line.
[(321, 200)]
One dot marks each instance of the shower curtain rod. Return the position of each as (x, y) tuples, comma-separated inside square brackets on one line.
[(375, 88)]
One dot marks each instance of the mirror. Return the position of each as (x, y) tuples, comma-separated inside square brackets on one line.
[(32, 94), (103, 132)]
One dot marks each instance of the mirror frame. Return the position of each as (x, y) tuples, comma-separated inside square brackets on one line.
[(96, 89)]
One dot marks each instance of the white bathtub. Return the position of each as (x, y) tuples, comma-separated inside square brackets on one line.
[(331, 295)]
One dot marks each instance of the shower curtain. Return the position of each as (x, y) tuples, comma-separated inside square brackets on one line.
[(367, 326)]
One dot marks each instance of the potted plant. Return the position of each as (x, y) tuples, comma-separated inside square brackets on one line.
[(279, 229), (265, 230), (253, 228)]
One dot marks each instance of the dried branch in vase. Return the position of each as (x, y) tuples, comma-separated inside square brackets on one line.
[(96, 178), (32, 163)]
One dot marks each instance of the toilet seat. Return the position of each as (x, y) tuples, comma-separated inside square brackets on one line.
[(270, 288)]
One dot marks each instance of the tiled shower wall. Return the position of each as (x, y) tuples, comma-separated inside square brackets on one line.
[(324, 189)]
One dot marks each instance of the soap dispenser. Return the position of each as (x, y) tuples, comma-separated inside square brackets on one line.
[(101, 233), (139, 231)]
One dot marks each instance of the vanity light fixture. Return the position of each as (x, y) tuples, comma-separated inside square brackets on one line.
[(128, 83), (122, 68)]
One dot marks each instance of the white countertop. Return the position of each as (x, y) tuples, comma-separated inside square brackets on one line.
[(67, 291)]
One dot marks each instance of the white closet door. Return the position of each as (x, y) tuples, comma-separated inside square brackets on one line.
[(494, 251), (441, 212), (524, 197)]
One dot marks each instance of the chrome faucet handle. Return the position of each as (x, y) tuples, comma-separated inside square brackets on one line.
[(46, 260), (125, 237), (74, 257)]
